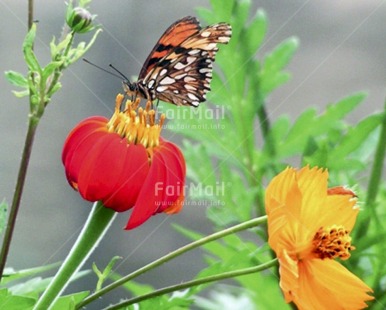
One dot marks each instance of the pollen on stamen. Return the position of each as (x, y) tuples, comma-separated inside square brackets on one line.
[(136, 124), (332, 242)]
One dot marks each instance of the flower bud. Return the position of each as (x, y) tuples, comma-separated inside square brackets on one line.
[(79, 19)]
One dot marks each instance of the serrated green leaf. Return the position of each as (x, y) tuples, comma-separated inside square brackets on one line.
[(28, 52), (138, 289), (102, 276), (204, 13), (62, 45), (241, 13), (302, 127), (12, 275), (178, 301), (50, 68), (254, 34), (14, 302), (226, 300), (3, 215), (281, 55), (76, 53), (16, 78), (21, 94), (280, 127), (222, 9), (31, 287), (315, 155), (54, 89), (68, 302), (355, 137), (344, 106), (271, 72)]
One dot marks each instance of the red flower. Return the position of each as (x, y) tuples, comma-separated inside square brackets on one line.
[(125, 163)]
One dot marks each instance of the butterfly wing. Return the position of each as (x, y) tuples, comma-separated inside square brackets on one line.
[(179, 69), (172, 37)]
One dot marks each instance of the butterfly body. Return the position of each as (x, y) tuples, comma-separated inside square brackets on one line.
[(179, 68)]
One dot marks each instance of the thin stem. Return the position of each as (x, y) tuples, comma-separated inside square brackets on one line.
[(376, 175), (171, 255), (177, 287), (32, 125), (30, 13), (377, 168), (18, 192), (93, 231), (54, 80)]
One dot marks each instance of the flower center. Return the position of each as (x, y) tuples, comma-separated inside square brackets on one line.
[(136, 124), (331, 242)]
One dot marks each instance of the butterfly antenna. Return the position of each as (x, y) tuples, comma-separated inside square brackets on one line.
[(103, 69), (120, 73)]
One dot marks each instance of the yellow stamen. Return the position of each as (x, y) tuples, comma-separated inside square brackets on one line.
[(332, 242), (137, 125)]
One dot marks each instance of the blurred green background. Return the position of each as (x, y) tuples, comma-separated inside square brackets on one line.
[(341, 52)]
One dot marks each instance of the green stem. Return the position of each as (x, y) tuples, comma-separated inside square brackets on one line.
[(32, 125), (375, 177), (171, 255), (94, 229), (59, 70), (30, 13), (177, 287), (376, 173)]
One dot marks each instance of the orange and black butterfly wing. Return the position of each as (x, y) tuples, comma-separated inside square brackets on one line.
[(172, 37), (190, 71), (179, 69)]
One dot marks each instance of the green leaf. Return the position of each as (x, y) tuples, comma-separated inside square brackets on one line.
[(177, 301), (12, 275), (271, 73), (343, 107), (3, 215), (14, 302), (21, 94), (222, 9), (16, 78), (50, 68), (29, 54), (31, 287), (68, 302), (254, 34), (204, 14), (356, 136), (138, 289), (226, 298), (102, 276), (76, 53), (54, 89), (240, 14), (56, 50)]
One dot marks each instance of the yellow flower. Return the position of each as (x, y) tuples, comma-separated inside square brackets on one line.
[(308, 227)]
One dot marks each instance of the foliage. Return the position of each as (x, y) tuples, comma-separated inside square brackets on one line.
[(232, 149)]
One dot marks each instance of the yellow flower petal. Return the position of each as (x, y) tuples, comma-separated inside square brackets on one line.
[(340, 210), (326, 284), (301, 209)]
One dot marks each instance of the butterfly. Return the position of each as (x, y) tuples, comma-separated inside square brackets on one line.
[(179, 68)]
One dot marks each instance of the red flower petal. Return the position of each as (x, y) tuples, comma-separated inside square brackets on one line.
[(136, 169), (72, 155), (175, 175), (99, 174), (83, 129), (149, 197), (79, 154), (154, 191)]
